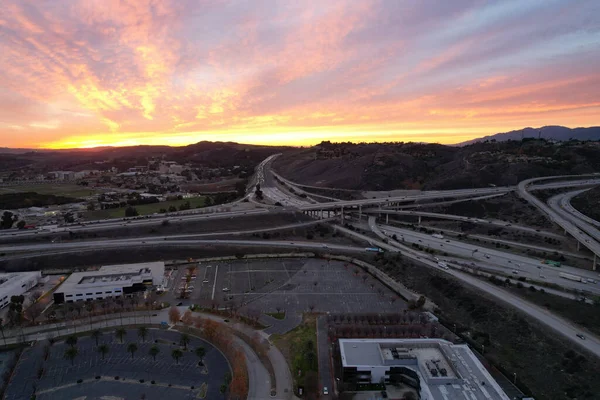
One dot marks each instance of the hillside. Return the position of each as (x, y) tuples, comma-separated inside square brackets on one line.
[(387, 166), (588, 203), (560, 133)]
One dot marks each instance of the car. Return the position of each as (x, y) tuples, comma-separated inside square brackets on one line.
[(205, 281), (325, 390), (487, 256), (436, 259), (179, 304), (543, 276), (226, 289), (515, 272), (447, 241), (580, 336)]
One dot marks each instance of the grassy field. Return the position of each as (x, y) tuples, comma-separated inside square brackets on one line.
[(299, 346), (277, 315), (69, 190), (144, 209)]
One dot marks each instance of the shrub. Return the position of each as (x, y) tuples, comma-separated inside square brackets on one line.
[(79, 380), (116, 378), (141, 381), (97, 376), (152, 382)]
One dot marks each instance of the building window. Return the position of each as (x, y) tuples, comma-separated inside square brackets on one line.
[(89, 294), (69, 295), (108, 292), (79, 295), (98, 292), (117, 290)]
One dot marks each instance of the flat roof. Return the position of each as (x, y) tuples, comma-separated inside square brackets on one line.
[(446, 370), (113, 276)]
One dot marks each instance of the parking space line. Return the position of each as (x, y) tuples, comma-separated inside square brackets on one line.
[(215, 282)]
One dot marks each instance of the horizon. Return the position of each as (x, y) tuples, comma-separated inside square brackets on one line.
[(82, 75)]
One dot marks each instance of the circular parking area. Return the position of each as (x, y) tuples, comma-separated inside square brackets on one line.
[(129, 368)]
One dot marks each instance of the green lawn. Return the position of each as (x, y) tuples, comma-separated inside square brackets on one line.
[(144, 209), (277, 315), (69, 189), (299, 346)]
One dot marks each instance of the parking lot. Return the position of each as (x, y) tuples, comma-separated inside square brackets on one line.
[(59, 379)]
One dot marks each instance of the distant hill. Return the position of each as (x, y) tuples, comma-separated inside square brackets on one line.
[(560, 133), (387, 166)]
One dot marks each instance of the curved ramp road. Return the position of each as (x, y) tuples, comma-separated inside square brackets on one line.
[(565, 203)]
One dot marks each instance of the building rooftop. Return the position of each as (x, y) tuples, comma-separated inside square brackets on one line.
[(11, 280), (113, 276), (446, 370)]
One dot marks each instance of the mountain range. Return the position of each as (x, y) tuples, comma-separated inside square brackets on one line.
[(554, 132)]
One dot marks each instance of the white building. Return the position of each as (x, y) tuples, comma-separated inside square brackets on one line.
[(110, 281), (170, 167), (434, 368), (16, 283)]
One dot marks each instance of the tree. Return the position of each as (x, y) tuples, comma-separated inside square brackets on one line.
[(142, 333), (154, 350), (184, 340), (131, 212), (172, 209), (177, 354), (120, 333), (71, 340), (21, 224), (71, 353), (188, 318), (132, 348), (198, 322), (174, 315), (96, 335), (200, 352), (103, 350), (7, 220)]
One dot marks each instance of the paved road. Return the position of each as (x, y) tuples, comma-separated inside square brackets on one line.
[(560, 325), (565, 203), (489, 222), (495, 259), (567, 221), (325, 373)]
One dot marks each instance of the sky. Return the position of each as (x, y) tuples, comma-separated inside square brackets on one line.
[(127, 72)]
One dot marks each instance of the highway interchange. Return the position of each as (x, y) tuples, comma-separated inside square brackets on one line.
[(558, 210)]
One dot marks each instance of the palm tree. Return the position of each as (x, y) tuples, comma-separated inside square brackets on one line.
[(71, 340), (120, 332), (96, 335), (90, 307), (154, 350), (142, 333), (177, 354), (132, 348), (71, 353), (103, 350), (200, 352), (184, 340)]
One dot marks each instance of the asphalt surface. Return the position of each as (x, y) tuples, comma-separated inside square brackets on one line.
[(565, 203), (494, 259), (567, 221)]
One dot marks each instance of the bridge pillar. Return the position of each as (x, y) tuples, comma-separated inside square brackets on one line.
[(321, 214), (359, 212), (578, 245), (387, 218), (419, 221), (594, 266), (342, 215)]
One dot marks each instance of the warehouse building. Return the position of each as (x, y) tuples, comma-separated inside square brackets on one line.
[(16, 284), (434, 368), (110, 281)]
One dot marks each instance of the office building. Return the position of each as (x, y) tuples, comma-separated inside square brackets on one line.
[(16, 284)]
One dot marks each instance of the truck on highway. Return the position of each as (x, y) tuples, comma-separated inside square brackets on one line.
[(571, 277), (438, 236), (443, 265), (552, 263), (374, 249)]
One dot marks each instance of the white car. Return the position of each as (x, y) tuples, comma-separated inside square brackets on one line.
[(325, 390), (226, 289)]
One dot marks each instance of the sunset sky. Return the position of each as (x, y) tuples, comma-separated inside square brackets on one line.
[(116, 72)]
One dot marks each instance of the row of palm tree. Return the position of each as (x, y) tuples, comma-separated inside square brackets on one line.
[(71, 352)]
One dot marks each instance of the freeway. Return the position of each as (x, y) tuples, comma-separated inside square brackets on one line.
[(492, 222), (130, 223), (69, 247), (565, 204), (558, 324), (567, 221), (501, 261)]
